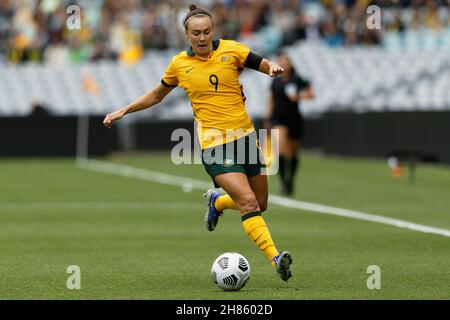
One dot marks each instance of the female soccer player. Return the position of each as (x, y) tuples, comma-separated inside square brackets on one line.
[(209, 73), (283, 114)]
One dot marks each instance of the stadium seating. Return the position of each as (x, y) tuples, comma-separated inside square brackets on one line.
[(403, 67), (361, 79)]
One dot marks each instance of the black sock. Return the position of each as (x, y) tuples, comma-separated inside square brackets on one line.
[(293, 164), (282, 167), (285, 174)]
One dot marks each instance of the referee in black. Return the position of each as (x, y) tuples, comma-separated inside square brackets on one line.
[(283, 114)]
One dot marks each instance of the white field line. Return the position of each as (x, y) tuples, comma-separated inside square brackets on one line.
[(100, 205), (142, 174), (319, 208)]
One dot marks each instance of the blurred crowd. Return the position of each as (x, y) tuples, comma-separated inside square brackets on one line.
[(36, 30)]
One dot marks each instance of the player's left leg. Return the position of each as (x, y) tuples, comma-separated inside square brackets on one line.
[(280, 260), (238, 187)]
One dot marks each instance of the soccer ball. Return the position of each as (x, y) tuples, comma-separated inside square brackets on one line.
[(230, 271)]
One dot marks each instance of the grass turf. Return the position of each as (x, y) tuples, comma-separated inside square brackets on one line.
[(141, 240)]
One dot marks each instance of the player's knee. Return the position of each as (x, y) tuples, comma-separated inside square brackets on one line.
[(248, 203), (262, 205)]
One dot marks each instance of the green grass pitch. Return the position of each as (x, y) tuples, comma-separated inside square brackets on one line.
[(137, 239)]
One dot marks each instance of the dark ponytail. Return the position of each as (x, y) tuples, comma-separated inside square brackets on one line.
[(195, 11)]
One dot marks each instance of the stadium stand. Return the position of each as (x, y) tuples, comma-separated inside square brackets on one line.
[(123, 47), (378, 92), (359, 79)]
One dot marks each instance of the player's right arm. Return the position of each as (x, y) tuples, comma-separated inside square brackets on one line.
[(149, 99)]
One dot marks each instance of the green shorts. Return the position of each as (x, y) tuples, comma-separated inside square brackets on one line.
[(242, 155)]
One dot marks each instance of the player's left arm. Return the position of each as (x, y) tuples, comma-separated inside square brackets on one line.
[(270, 68), (263, 65)]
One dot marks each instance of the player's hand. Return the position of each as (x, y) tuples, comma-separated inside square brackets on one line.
[(111, 117), (275, 69)]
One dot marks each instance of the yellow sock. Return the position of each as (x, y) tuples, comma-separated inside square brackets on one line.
[(225, 202), (256, 228)]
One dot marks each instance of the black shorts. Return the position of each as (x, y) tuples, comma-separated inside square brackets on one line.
[(243, 155), (295, 126)]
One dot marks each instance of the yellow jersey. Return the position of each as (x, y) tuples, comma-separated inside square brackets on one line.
[(212, 85)]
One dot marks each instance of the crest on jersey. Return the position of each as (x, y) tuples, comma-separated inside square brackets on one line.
[(226, 58)]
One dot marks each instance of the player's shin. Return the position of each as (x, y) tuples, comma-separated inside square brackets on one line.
[(256, 228)]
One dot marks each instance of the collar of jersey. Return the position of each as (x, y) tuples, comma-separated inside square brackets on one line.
[(215, 45)]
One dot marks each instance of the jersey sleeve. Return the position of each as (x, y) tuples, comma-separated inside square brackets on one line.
[(302, 83), (241, 51), (170, 77)]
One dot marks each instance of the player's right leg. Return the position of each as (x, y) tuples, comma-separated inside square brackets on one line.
[(236, 185), (215, 205), (212, 214), (218, 160)]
